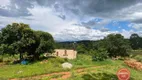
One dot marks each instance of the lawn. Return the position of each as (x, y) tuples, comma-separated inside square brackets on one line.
[(104, 69)]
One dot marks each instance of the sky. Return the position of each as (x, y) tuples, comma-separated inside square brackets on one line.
[(73, 20)]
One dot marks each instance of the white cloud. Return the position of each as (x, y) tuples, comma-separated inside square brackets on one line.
[(81, 33), (131, 14), (4, 2), (62, 30), (137, 26), (126, 33), (46, 19)]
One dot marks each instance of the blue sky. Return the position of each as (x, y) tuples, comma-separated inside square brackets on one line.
[(71, 20), (119, 25)]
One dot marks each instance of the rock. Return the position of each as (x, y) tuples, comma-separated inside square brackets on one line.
[(67, 65)]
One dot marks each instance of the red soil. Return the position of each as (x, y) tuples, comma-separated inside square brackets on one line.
[(65, 75), (134, 64)]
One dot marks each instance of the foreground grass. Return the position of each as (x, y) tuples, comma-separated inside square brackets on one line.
[(102, 72), (108, 71), (105, 73), (137, 54), (110, 67), (52, 65), (16, 71)]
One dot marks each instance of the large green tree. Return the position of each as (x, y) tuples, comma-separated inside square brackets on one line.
[(20, 38), (116, 45), (135, 41), (44, 43)]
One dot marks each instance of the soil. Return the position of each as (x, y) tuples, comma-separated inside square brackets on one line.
[(65, 75), (134, 64)]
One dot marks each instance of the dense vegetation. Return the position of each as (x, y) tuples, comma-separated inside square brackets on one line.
[(135, 42), (113, 45), (21, 39)]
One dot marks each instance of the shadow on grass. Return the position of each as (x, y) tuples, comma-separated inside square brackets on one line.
[(101, 76)]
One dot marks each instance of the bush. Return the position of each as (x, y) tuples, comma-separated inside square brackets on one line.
[(66, 59), (82, 59), (100, 55), (1, 60), (116, 45), (57, 60), (138, 58)]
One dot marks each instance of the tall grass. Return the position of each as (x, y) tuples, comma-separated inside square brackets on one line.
[(54, 65), (137, 54), (36, 68)]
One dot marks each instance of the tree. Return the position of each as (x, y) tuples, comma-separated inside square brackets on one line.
[(135, 41), (116, 45), (44, 43), (100, 54), (81, 48), (16, 38), (20, 39)]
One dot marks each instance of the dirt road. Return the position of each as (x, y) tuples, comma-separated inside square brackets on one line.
[(64, 75)]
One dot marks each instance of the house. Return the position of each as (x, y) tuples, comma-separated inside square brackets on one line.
[(65, 53)]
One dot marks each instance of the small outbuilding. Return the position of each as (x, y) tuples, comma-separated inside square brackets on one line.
[(65, 53)]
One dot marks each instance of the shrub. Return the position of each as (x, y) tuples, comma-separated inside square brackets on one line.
[(138, 58), (100, 55), (57, 60), (116, 45), (82, 59), (1, 60), (66, 59)]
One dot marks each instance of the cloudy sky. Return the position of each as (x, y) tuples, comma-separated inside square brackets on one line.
[(71, 20)]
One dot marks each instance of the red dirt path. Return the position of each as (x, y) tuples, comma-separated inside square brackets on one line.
[(65, 75)]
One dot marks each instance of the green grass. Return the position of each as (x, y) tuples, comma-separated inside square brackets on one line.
[(51, 77), (137, 54), (15, 71), (107, 68), (107, 72), (37, 68)]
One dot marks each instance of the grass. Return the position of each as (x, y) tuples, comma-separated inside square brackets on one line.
[(86, 61), (107, 72), (16, 71), (137, 54), (107, 69), (51, 77), (37, 68)]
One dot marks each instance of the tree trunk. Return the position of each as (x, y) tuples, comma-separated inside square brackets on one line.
[(36, 57), (21, 56)]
